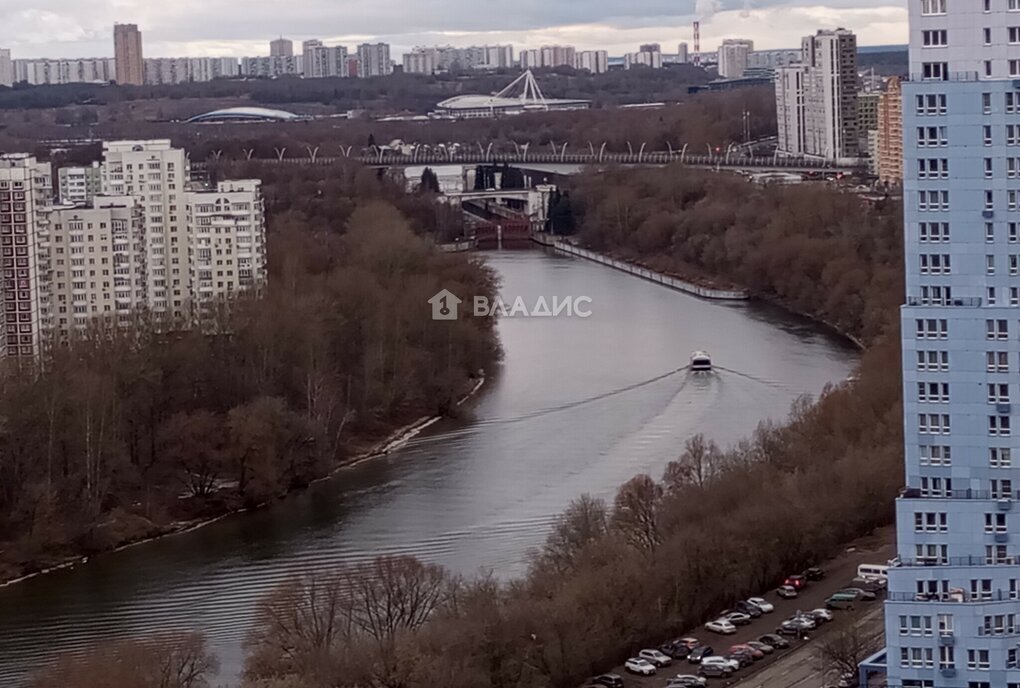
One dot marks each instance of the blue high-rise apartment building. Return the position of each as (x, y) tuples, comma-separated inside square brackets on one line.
[(952, 619)]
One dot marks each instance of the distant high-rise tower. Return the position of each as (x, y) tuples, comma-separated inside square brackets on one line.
[(6, 68), (681, 54), (281, 47), (127, 50)]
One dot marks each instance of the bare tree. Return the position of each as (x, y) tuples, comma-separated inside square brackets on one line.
[(636, 512), (845, 647), (699, 463)]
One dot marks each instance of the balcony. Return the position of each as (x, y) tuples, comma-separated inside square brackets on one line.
[(950, 76), (928, 562), (1004, 498), (956, 301)]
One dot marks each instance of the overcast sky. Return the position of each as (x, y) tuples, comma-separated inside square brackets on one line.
[(73, 28)]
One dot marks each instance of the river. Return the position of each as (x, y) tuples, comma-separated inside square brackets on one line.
[(580, 405)]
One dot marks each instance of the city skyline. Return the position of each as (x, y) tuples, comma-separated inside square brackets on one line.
[(170, 32)]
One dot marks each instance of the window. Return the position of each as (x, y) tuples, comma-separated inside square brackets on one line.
[(945, 624), (931, 328), (933, 360), (1013, 35), (1000, 457), (932, 554), (917, 657), (981, 589), (997, 361), (989, 168), (932, 522), (1013, 232), (996, 329), (1001, 489), (978, 659), (933, 232), (933, 168), (989, 233), (933, 423), (933, 200), (935, 455), (998, 393), (1014, 67), (998, 426), (996, 554), (1013, 132), (1012, 103), (994, 523), (932, 137), (1012, 168), (1012, 5), (933, 392), (934, 39), (988, 35), (986, 135), (936, 487), (931, 104), (947, 660), (930, 7), (934, 263), (917, 626)]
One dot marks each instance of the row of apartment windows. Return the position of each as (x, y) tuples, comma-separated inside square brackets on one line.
[(942, 455), (938, 392), (977, 660), (939, 38), (939, 423), (939, 71), (933, 554), (935, 486), (929, 104)]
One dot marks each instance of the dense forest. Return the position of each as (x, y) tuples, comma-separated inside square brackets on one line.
[(126, 434), (718, 525)]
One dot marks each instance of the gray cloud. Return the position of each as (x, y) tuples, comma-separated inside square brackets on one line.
[(70, 27)]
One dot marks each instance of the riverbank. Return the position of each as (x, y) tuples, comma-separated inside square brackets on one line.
[(389, 443), (679, 282)]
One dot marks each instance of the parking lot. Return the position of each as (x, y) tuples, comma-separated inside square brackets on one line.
[(877, 548)]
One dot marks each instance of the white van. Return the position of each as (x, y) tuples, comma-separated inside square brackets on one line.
[(873, 573)]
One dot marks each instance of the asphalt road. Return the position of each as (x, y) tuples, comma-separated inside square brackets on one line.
[(795, 666)]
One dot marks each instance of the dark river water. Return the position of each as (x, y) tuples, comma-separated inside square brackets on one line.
[(580, 405)]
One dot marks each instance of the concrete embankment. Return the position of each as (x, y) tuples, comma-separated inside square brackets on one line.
[(644, 273)]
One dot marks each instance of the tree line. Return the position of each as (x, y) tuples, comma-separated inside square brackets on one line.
[(718, 525), (126, 432)]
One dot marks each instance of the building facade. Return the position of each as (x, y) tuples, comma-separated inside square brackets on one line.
[(182, 70), (733, 57), (155, 173), (6, 68), (226, 242), (25, 193), (374, 60), (593, 61), (65, 71), (127, 50), (649, 55), (271, 67), (889, 166), (281, 47), (682, 54), (77, 186), (953, 608), (825, 124)]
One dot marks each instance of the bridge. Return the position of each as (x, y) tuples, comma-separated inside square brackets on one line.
[(434, 158)]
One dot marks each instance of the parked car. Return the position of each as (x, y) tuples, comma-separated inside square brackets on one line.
[(738, 618), (804, 622), (608, 680), (717, 670), (636, 665), (761, 647), (841, 601), (787, 592), (789, 628), (657, 658), (675, 650), (751, 610), (875, 585), (815, 573), (716, 660), (686, 681), (797, 582), (722, 626), (861, 593), (776, 641), (699, 653), (762, 604), (742, 659), (746, 647), (821, 615), (689, 641)]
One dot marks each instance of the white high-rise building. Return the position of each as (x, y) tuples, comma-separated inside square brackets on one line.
[(98, 265), (320, 61), (733, 57), (156, 173), (954, 596), (594, 61), (281, 47), (226, 241), (816, 99), (271, 67), (6, 68), (65, 71), (649, 56), (25, 193), (78, 185)]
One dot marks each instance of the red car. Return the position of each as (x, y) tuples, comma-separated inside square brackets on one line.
[(754, 652), (796, 582)]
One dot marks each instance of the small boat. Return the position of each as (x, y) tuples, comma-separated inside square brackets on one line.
[(701, 362)]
